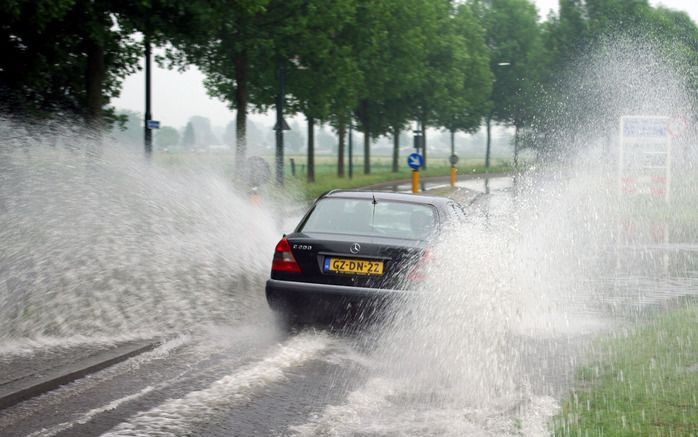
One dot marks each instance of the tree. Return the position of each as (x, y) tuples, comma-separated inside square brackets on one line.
[(219, 37), (204, 134), (633, 31), (294, 138), (464, 111), (326, 140), (131, 131), (460, 101), (70, 56), (318, 74), (514, 39), (457, 81), (167, 136), (189, 136), (229, 134), (63, 55), (389, 45), (251, 42)]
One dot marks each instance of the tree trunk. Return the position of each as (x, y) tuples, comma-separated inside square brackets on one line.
[(311, 149), (453, 142), (94, 82), (341, 133), (241, 97), (396, 148), (367, 150), (488, 123)]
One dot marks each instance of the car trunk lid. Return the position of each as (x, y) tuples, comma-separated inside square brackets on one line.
[(314, 251)]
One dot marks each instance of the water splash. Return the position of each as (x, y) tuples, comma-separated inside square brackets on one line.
[(97, 241), (492, 339)]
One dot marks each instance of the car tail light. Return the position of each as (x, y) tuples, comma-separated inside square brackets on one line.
[(418, 273), (283, 258)]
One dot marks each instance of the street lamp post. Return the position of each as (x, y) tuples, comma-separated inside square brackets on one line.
[(148, 132)]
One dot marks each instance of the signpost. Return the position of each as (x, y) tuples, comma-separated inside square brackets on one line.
[(417, 140), (644, 173), (153, 124), (453, 159), (284, 125), (644, 157), (147, 130), (415, 162)]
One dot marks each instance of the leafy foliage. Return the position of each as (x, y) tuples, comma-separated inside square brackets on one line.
[(378, 65), (62, 55)]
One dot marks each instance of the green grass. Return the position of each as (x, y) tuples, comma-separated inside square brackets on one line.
[(643, 384), (326, 170), (326, 173)]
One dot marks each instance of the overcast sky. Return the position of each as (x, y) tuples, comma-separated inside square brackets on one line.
[(178, 96)]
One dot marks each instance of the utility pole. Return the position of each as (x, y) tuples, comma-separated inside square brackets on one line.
[(280, 73), (148, 133)]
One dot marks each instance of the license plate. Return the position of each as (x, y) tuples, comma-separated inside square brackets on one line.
[(353, 266)]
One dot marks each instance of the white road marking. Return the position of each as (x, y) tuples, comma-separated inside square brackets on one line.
[(174, 417), (90, 414), (159, 352)]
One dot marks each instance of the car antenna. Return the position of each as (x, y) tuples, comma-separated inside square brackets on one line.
[(373, 214)]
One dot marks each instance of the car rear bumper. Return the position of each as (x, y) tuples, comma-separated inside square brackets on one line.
[(290, 292)]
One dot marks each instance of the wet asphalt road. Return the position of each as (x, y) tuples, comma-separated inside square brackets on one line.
[(255, 379), (262, 382), (259, 380), (221, 382)]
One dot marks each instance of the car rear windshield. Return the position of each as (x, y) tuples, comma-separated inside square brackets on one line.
[(361, 217)]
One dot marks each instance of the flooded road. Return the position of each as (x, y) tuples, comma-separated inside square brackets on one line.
[(490, 366), (101, 250)]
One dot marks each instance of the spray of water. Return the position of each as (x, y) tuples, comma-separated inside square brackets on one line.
[(492, 339), (98, 243)]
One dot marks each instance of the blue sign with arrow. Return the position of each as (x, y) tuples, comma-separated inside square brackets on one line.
[(415, 161)]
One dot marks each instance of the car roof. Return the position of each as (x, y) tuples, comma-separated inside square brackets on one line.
[(387, 195)]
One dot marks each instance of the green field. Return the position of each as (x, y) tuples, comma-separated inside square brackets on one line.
[(643, 383), (326, 173), (326, 170)]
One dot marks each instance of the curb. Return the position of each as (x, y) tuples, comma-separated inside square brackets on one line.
[(435, 179), (31, 386)]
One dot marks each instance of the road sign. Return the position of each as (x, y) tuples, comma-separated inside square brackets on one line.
[(418, 143), (153, 124), (453, 159), (284, 124), (644, 156), (415, 161)]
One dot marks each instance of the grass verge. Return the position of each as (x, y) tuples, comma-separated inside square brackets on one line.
[(295, 176), (326, 177), (644, 383)]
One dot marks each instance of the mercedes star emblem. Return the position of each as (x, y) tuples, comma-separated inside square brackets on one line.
[(355, 248)]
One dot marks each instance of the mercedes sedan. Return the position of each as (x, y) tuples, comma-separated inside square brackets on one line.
[(353, 251)]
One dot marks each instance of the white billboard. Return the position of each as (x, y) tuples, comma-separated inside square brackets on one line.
[(644, 157)]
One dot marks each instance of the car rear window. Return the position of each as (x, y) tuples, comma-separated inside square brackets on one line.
[(361, 217)]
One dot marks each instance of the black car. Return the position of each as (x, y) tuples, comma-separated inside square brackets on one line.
[(353, 248)]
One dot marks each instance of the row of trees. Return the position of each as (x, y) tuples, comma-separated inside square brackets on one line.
[(198, 133), (379, 66)]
